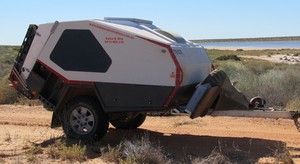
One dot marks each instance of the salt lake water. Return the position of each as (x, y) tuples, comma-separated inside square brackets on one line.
[(253, 45)]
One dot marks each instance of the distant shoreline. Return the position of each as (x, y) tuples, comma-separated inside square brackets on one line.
[(260, 39)]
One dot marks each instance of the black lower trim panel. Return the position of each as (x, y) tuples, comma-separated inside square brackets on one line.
[(125, 96)]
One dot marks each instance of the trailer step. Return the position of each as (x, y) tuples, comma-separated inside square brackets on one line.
[(206, 102), (196, 98)]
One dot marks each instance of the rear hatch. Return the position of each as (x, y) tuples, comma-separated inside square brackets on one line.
[(15, 77)]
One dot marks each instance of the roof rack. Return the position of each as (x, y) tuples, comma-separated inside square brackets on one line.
[(128, 19)]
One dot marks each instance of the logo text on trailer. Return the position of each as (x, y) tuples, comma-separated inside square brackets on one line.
[(177, 52)]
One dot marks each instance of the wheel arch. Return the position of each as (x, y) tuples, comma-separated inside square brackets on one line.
[(73, 92)]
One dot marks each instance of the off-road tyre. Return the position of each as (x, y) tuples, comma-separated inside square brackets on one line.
[(130, 123), (85, 120)]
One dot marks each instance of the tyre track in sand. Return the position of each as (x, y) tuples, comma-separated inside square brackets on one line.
[(24, 115)]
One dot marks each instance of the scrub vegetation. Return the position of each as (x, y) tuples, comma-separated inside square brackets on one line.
[(278, 83), (58, 150), (138, 150), (7, 57)]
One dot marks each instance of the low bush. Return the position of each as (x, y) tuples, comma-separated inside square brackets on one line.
[(282, 154), (7, 95), (214, 157), (60, 150), (294, 104), (226, 154), (277, 84), (32, 153), (228, 57), (139, 150), (259, 67)]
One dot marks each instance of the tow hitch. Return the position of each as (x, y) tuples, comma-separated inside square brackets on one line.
[(216, 96)]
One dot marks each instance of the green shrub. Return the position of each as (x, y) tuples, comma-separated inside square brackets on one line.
[(8, 95), (259, 67), (276, 83), (294, 104), (7, 57), (228, 57)]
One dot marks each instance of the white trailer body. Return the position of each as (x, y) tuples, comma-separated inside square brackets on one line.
[(130, 62), (92, 72)]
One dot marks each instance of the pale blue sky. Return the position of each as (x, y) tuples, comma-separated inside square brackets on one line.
[(193, 19)]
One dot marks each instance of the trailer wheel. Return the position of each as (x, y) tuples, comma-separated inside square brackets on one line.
[(85, 120), (257, 102), (132, 123)]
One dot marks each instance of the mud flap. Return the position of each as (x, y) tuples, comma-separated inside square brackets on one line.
[(55, 122), (221, 96)]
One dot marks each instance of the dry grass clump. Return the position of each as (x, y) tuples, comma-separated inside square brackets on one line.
[(282, 155), (139, 150), (143, 151), (32, 153), (60, 150), (112, 154), (214, 157), (223, 154)]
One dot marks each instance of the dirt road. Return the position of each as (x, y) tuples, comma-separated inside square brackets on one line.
[(179, 136)]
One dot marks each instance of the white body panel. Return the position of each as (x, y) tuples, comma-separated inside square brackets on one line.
[(136, 61), (139, 56)]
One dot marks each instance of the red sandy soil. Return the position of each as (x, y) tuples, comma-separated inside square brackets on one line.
[(179, 136)]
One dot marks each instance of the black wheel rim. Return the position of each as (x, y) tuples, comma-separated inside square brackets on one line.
[(82, 120)]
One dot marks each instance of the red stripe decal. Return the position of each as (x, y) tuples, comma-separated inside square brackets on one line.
[(67, 81), (179, 72)]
